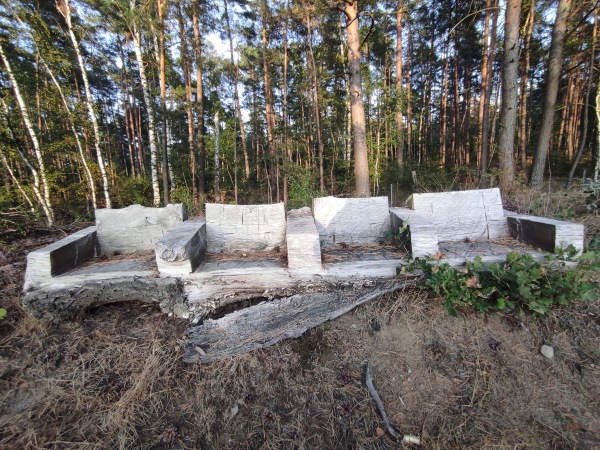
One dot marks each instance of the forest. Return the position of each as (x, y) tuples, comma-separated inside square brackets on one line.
[(105, 103)]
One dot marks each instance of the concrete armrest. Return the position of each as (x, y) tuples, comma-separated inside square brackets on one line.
[(181, 251), (60, 257), (423, 232), (545, 233)]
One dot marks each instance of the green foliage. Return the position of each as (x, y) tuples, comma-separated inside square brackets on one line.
[(520, 283), (2, 313), (302, 188), (129, 191)]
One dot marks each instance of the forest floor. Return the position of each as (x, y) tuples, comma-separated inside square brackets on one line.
[(114, 378)]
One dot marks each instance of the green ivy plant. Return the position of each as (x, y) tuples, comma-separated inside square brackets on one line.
[(521, 283)]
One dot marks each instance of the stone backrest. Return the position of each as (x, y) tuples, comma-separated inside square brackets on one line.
[(351, 220), (136, 227), (244, 228), (475, 214)]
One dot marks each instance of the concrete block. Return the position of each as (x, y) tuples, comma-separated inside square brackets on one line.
[(246, 228), (474, 214), (423, 232), (303, 244), (351, 220), (60, 257), (181, 251), (136, 227)]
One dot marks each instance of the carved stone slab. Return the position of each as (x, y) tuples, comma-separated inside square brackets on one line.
[(351, 220), (473, 214), (303, 245), (136, 227), (234, 228)]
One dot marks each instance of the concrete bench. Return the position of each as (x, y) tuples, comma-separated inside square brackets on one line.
[(303, 244), (244, 228), (181, 251), (477, 215), (351, 220)]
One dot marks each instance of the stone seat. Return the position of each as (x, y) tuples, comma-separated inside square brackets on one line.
[(475, 215)]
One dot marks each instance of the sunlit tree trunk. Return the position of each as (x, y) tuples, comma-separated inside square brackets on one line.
[(552, 82), (217, 160), (149, 108), (508, 112), (161, 4), (44, 200), (359, 134), (522, 139), (65, 9), (269, 111)]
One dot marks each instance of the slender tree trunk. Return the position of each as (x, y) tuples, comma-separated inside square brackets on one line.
[(286, 149), (597, 165), (270, 113), (359, 134), (163, 98), (187, 76), (15, 180), (409, 115), (88, 173), (65, 9), (399, 93), (45, 201), (552, 82), (586, 105), (317, 110), (149, 108), (508, 113), (522, 139), (444, 108), (236, 97), (200, 135), (489, 37)]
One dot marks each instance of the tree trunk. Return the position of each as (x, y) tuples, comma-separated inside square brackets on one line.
[(399, 99), (217, 160), (489, 37), (552, 82), (88, 173), (199, 105), (65, 9), (187, 76), (44, 200), (508, 113), (359, 134), (586, 105), (522, 139), (163, 98), (317, 110), (149, 108), (236, 97), (269, 112)]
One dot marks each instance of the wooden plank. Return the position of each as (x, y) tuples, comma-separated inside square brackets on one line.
[(267, 323)]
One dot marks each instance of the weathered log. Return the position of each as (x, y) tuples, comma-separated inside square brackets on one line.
[(267, 323), (58, 303)]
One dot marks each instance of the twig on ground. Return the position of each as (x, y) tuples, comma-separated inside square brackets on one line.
[(378, 402)]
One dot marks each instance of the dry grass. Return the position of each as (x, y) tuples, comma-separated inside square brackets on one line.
[(114, 378)]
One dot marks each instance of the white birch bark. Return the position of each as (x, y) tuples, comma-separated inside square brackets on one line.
[(15, 179), (44, 200), (86, 168), (65, 10), (149, 108), (217, 160)]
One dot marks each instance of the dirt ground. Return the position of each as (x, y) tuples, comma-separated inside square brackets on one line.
[(114, 378)]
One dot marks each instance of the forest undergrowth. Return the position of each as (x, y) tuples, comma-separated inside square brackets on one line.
[(114, 377)]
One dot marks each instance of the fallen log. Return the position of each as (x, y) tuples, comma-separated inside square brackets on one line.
[(267, 323), (58, 303)]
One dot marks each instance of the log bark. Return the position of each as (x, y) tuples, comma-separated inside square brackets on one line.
[(63, 303), (267, 323)]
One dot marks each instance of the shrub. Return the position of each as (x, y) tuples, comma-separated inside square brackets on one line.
[(521, 283)]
